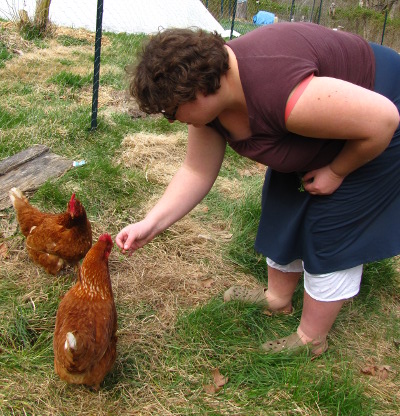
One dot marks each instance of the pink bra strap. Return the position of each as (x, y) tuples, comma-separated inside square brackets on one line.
[(296, 95)]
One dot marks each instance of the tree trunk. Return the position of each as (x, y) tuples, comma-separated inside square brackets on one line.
[(42, 14), (241, 9)]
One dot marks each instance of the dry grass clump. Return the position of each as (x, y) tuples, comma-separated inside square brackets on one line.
[(158, 156), (81, 34), (12, 39), (180, 262), (184, 269), (41, 64), (112, 101)]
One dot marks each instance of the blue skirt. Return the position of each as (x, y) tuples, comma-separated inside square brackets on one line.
[(357, 224)]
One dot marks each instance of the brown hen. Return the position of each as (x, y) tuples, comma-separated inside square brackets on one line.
[(53, 240), (85, 331)]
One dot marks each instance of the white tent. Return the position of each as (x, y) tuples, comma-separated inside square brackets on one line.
[(130, 16)]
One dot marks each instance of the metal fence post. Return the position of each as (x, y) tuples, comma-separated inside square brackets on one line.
[(319, 11), (233, 18), (384, 26), (96, 70), (291, 11)]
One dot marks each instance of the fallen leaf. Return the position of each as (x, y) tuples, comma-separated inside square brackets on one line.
[(219, 382), (369, 370), (219, 379), (211, 388), (207, 283), (3, 251), (382, 371)]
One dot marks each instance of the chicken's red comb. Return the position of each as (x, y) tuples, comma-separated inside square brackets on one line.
[(72, 205), (106, 237)]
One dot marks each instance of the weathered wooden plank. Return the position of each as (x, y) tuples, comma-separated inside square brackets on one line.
[(12, 162), (31, 174)]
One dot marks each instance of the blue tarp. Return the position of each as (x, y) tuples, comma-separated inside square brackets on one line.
[(263, 18)]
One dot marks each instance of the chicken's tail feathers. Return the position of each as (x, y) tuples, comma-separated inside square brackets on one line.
[(74, 353), (75, 343), (70, 341), (72, 349), (16, 194)]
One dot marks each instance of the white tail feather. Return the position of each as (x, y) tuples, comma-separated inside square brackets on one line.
[(70, 342), (15, 193)]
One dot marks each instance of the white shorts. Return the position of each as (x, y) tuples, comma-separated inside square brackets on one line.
[(327, 287)]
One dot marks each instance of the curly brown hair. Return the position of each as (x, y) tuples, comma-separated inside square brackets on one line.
[(174, 65)]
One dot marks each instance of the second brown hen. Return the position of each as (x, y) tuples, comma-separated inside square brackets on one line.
[(53, 240), (85, 332)]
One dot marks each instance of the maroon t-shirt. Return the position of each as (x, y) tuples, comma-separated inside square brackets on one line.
[(272, 60)]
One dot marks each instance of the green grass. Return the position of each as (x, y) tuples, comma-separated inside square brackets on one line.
[(71, 80), (172, 331), (228, 337), (67, 40), (5, 54)]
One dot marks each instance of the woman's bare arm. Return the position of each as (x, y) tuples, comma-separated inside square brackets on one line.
[(191, 183), (336, 109)]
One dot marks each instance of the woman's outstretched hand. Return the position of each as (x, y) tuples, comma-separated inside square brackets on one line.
[(134, 236)]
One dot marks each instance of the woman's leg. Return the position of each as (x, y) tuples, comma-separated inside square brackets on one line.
[(317, 318), (324, 296), (282, 282), (281, 286)]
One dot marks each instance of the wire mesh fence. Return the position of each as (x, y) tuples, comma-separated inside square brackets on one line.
[(376, 21)]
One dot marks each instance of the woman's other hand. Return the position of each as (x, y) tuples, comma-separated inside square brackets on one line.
[(322, 181)]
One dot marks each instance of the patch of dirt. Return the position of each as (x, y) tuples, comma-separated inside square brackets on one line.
[(113, 101)]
